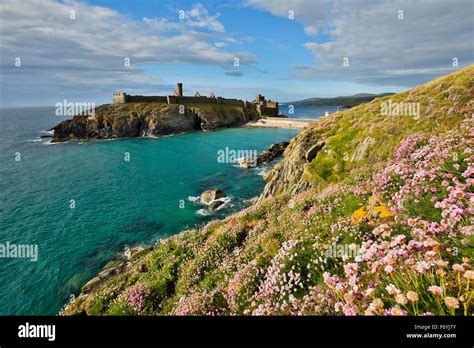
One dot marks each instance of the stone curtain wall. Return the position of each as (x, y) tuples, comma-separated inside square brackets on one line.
[(117, 99), (145, 99), (271, 109), (206, 100)]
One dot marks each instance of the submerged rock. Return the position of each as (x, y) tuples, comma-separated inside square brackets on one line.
[(248, 163), (111, 269)]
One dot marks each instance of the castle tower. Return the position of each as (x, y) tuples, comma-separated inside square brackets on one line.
[(119, 98), (179, 89)]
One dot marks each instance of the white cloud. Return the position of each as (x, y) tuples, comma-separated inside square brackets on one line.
[(380, 47), (91, 49), (199, 17), (311, 30)]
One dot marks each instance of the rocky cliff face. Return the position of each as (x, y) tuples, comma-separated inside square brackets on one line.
[(287, 176), (150, 119)]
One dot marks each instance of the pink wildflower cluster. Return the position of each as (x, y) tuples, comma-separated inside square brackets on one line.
[(136, 296), (279, 284), (199, 302), (416, 255)]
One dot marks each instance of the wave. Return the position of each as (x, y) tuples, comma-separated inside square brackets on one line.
[(225, 200), (203, 212)]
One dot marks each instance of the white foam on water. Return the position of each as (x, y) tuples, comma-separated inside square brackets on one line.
[(203, 212), (193, 198), (263, 171), (225, 200), (49, 142)]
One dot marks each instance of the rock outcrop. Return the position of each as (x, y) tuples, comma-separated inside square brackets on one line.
[(208, 196), (150, 119), (313, 151), (287, 176), (213, 199), (272, 152), (267, 155)]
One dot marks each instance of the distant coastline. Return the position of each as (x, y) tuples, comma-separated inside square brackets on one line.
[(345, 101)]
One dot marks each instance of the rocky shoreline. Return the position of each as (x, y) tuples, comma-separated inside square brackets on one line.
[(150, 120), (267, 155)]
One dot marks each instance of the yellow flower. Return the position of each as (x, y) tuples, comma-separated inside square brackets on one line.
[(382, 212), (359, 215)]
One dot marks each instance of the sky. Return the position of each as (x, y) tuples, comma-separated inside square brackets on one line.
[(82, 51)]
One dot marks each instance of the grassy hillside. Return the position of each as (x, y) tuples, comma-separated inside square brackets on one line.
[(368, 227)]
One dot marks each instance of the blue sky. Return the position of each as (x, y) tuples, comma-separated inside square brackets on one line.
[(82, 58)]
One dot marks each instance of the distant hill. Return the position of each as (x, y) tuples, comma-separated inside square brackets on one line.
[(339, 101)]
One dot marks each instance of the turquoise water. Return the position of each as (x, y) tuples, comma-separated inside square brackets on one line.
[(117, 203), (303, 111)]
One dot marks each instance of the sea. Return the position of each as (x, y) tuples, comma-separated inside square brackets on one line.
[(304, 111), (81, 204)]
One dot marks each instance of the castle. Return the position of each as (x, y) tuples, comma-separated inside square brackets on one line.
[(262, 106)]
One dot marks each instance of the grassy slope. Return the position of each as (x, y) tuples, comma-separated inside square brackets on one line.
[(133, 109), (409, 209), (444, 103)]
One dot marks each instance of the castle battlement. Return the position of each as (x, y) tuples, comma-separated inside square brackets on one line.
[(263, 107)]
